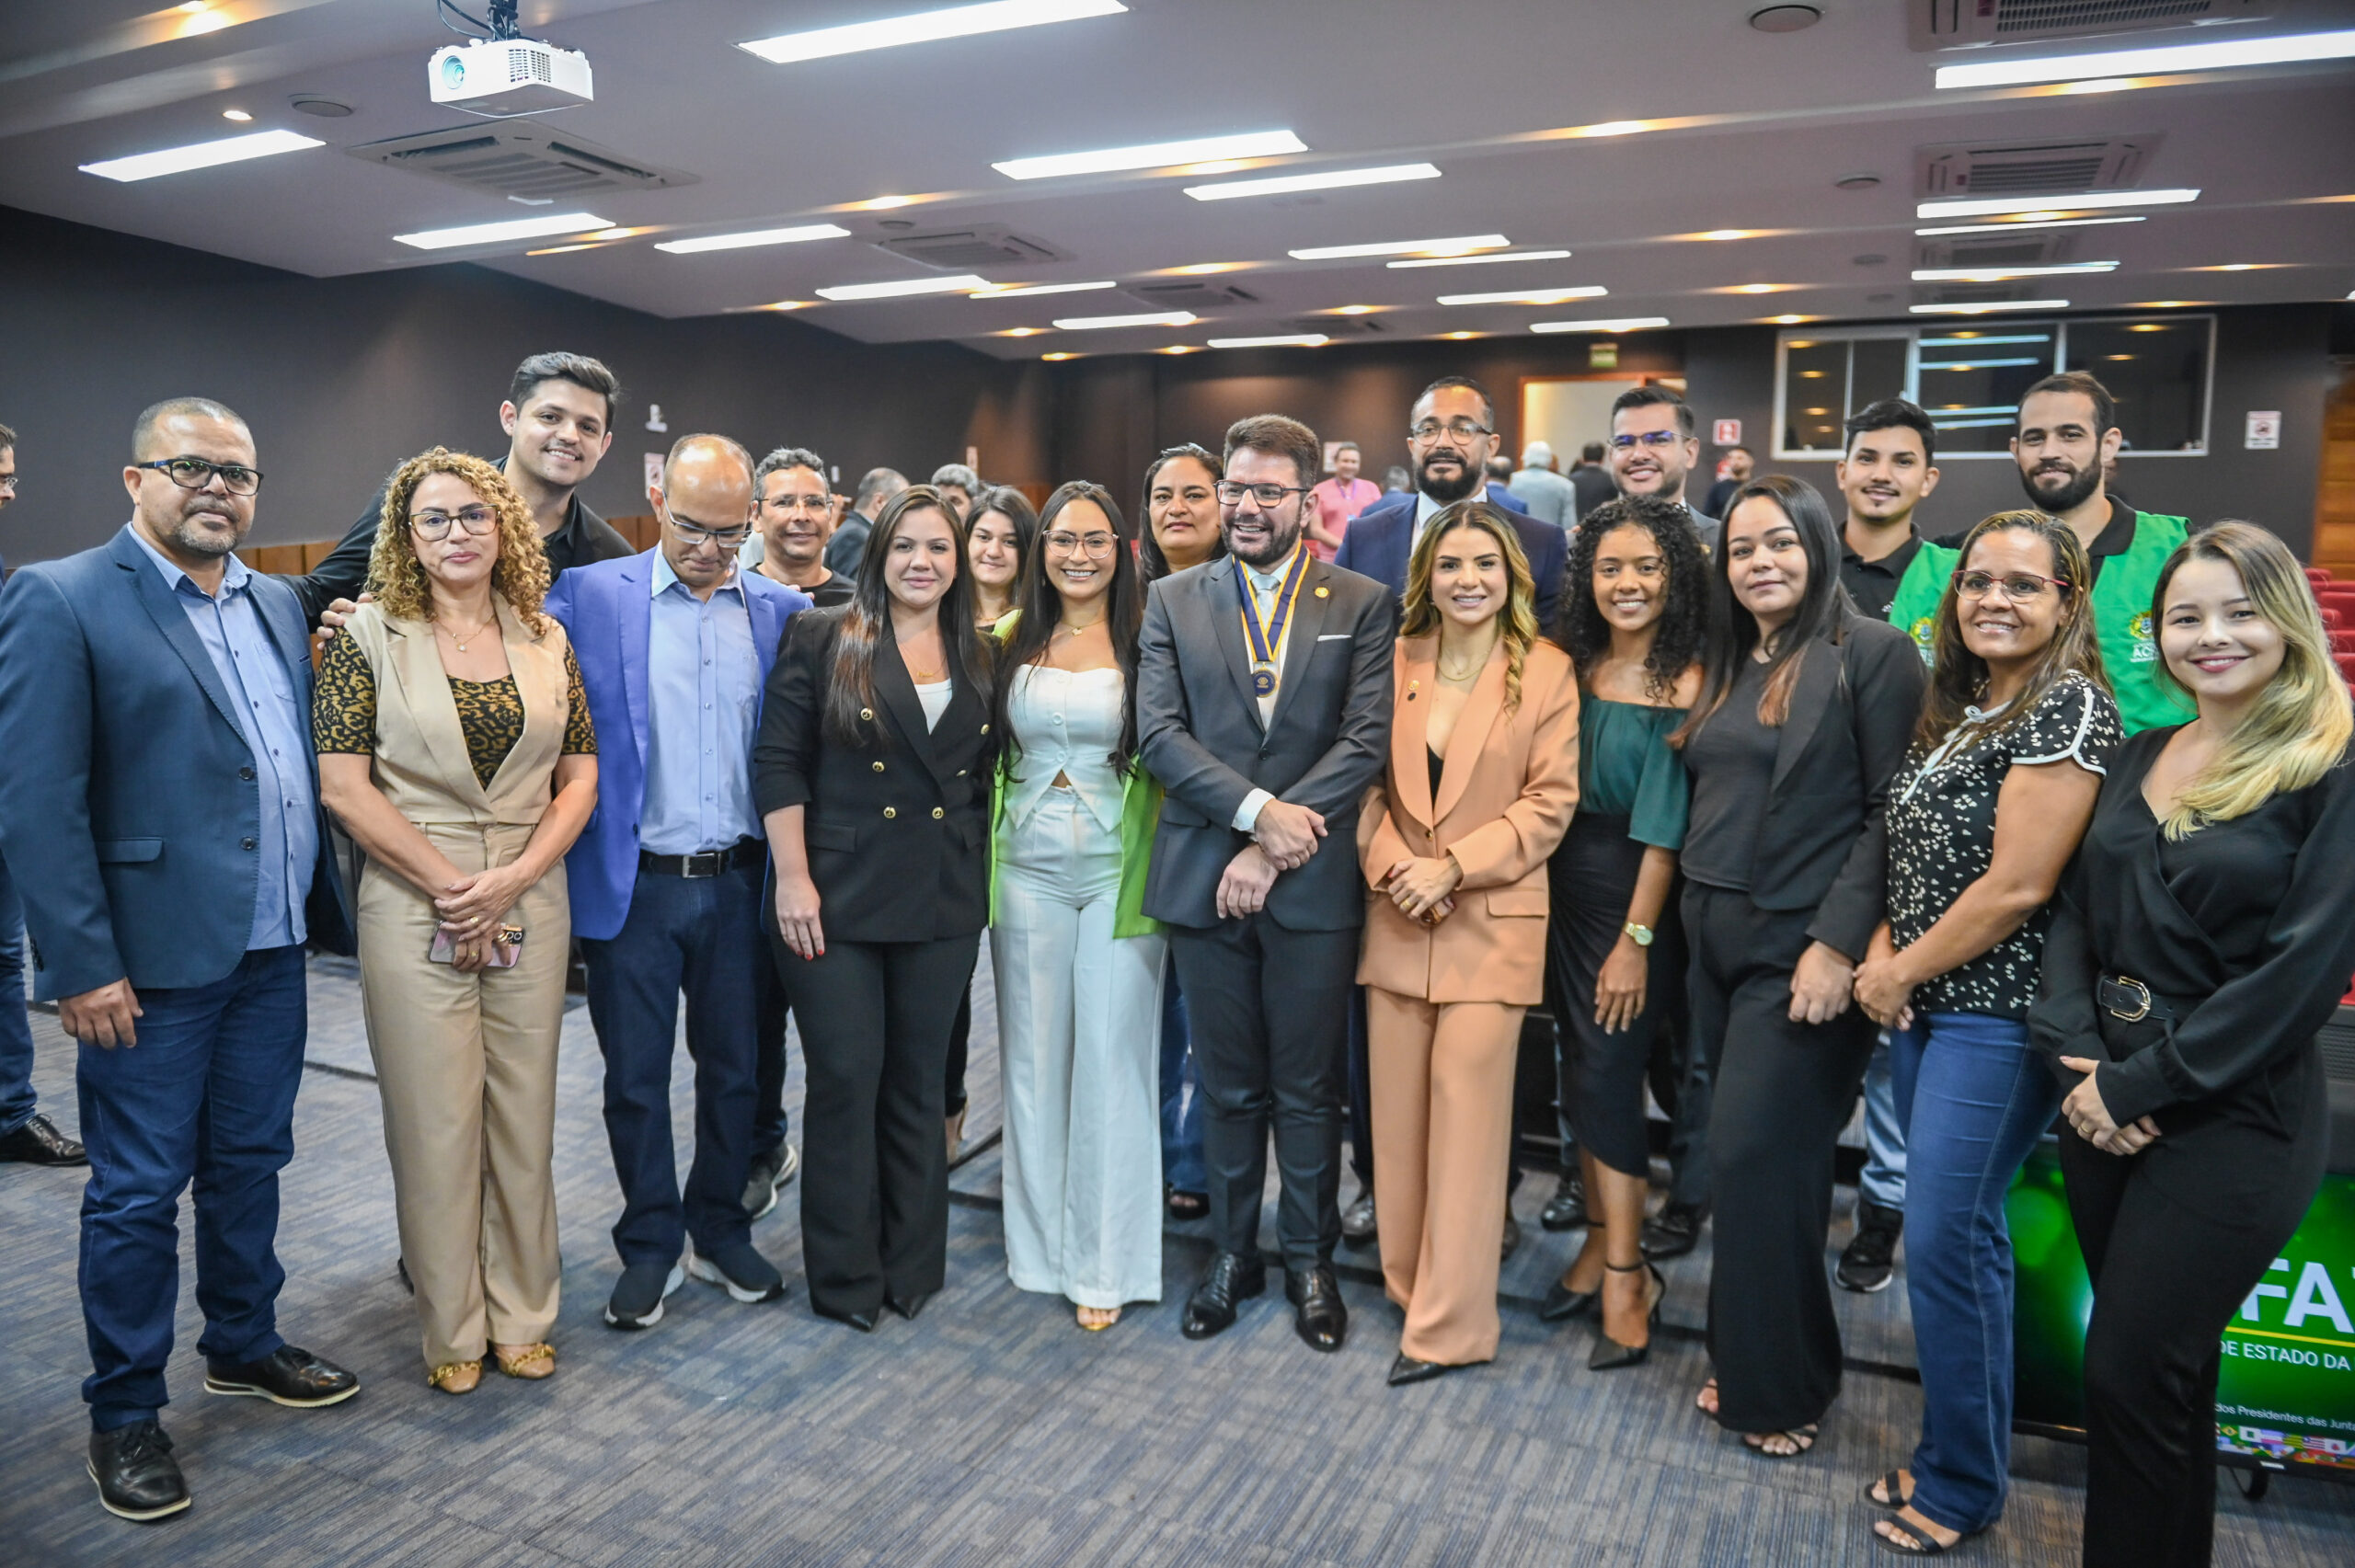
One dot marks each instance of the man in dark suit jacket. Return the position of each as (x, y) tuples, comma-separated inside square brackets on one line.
[(161, 810), (1263, 707)]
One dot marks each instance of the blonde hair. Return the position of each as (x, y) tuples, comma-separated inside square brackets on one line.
[(1519, 614), (396, 576), (2298, 728)]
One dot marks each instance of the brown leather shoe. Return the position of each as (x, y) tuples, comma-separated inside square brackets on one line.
[(528, 1362), (457, 1378)]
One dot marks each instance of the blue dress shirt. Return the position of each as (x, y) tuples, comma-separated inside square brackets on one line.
[(277, 731), (702, 701)]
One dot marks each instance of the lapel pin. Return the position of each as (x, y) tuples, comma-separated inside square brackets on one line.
[(1323, 593)]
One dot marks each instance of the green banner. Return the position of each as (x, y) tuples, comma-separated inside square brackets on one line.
[(2287, 1388)]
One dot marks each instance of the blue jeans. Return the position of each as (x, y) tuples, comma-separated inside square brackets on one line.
[(700, 935), (208, 1094), (15, 1029), (1181, 1094), (1973, 1099), (1883, 1180)]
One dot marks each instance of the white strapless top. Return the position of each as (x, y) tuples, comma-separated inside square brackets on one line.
[(1066, 722)]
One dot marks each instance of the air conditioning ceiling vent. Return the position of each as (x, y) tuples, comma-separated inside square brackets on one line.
[(1974, 24), (1969, 294), (522, 161), (2033, 249), (1341, 325), (971, 249), (1194, 297), (2031, 169)]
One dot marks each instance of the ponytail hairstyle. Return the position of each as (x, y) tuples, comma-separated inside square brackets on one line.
[(2298, 728), (1959, 677), (1824, 608), (867, 619), (1038, 606)]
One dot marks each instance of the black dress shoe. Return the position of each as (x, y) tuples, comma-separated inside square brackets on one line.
[(1210, 1308), (1566, 1210), (38, 1143), (1407, 1370), (1674, 1231), (907, 1306), (862, 1321), (138, 1479), (1562, 1303), (1357, 1223), (289, 1376), (1319, 1318)]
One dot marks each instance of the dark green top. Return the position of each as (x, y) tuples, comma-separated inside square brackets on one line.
[(1626, 769)]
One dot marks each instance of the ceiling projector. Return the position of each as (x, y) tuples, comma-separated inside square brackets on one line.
[(507, 76)]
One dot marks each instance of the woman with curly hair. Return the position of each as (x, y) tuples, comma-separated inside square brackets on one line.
[(455, 746), (1634, 620)]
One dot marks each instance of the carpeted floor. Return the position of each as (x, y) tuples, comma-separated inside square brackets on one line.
[(991, 1431)]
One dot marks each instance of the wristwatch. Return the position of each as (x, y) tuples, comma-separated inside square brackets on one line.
[(1642, 933)]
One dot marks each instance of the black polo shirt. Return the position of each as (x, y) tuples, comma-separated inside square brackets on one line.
[(1873, 584)]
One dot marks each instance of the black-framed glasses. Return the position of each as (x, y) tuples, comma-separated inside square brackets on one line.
[(1232, 494), (694, 533), (1646, 438), (195, 473), (1097, 545), (478, 522), (2016, 586), (1454, 430)]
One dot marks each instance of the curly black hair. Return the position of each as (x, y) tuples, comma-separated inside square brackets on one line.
[(1683, 625)]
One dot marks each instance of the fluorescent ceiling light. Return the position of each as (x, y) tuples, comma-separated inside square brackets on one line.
[(958, 21), (2004, 274), (1149, 318), (1457, 246), (202, 155), (963, 283), (1994, 308), (1526, 296), (752, 237), (1332, 179), (1979, 207), (1978, 364), (1620, 324), (1024, 289), (1975, 340), (1477, 261), (1280, 340), (512, 228), (2220, 56), (1154, 154), (2042, 224)]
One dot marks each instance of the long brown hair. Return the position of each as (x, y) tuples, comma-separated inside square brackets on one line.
[(1958, 678), (1519, 614), (867, 619), (396, 576), (1038, 606)]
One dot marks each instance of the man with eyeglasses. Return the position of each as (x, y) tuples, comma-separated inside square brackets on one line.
[(1254, 864), (793, 517), (1654, 444), (26, 1138), (559, 419), (161, 811), (674, 645)]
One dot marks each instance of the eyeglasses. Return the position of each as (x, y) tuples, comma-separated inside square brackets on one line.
[(1097, 545), (817, 506), (1232, 494), (1456, 430), (195, 473), (694, 533), (1649, 438), (9, 483), (476, 521), (2016, 586)]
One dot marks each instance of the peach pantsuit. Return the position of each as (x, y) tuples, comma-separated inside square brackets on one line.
[(1444, 1003)]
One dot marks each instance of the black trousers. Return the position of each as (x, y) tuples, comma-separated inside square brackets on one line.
[(2174, 1239), (875, 1019), (772, 1007), (1270, 1011), (1783, 1091)]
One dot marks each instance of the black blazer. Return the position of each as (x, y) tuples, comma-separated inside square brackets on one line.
[(1198, 732), (897, 825), (1823, 845)]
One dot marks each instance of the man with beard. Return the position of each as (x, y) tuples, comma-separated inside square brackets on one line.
[(1653, 446), (1263, 707), (161, 811), (2068, 431), (558, 418)]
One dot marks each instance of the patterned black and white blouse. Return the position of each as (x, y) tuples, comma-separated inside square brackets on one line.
[(1942, 834)]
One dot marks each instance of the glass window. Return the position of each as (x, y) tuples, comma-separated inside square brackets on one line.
[(1815, 393), (2157, 368), (1971, 378)]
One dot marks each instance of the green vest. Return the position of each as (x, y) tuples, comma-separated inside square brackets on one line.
[(2121, 606)]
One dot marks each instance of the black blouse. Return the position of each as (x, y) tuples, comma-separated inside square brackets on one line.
[(1732, 759), (2247, 926), (1941, 835)]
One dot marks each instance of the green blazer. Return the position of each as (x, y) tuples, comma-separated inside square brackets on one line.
[(1140, 815)]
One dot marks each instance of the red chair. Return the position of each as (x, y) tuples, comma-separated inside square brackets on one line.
[(2341, 643), (2331, 619), (2346, 662), (2318, 575)]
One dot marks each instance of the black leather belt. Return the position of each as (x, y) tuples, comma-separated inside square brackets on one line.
[(710, 863), (2125, 998)]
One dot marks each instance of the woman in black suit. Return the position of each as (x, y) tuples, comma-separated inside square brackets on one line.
[(2200, 943), (1805, 713), (871, 775)]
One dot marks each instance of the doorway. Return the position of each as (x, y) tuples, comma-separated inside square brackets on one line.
[(1566, 412)]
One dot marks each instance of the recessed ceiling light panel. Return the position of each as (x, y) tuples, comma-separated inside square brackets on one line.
[(2220, 56), (1457, 246), (1279, 340), (1477, 261), (963, 283), (1147, 318), (1332, 179), (752, 237), (1154, 156), (2035, 223), (201, 156), (1995, 307), (1526, 296), (1984, 206), (1025, 290), (2004, 274), (1608, 324), (924, 27), (517, 228)]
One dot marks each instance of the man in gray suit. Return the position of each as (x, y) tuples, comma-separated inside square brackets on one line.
[(1263, 707)]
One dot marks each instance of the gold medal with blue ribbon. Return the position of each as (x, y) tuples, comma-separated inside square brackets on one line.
[(1266, 642)]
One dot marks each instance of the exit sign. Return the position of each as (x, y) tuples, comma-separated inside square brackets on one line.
[(1726, 433)]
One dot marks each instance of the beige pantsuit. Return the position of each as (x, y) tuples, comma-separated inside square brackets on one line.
[(1444, 1003), (466, 1063)]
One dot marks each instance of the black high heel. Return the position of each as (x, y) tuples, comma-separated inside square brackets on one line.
[(1562, 1303), (1609, 1355)]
